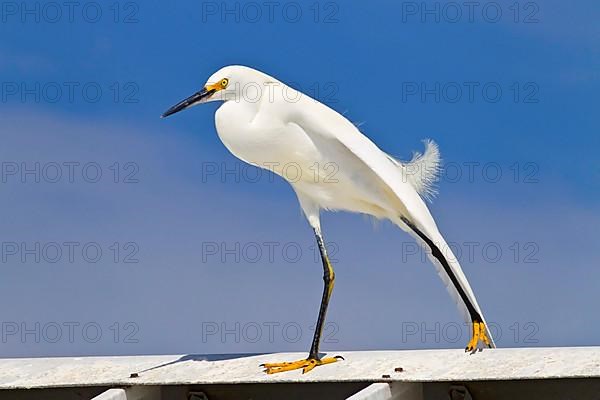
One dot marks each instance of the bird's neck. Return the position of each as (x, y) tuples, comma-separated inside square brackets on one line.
[(241, 110)]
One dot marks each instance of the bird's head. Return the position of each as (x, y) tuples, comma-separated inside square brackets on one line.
[(234, 82)]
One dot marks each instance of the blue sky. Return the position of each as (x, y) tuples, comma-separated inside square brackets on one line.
[(520, 187)]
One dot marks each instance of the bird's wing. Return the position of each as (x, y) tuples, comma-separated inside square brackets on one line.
[(340, 141)]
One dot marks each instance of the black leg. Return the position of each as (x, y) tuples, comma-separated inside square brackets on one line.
[(328, 279), (313, 359), (479, 327)]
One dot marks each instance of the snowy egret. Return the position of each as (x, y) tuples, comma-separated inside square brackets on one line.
[(270, 125)]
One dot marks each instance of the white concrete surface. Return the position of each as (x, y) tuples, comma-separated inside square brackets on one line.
[(367, 366)]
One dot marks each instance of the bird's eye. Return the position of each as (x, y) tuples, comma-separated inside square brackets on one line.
[(224, 83)]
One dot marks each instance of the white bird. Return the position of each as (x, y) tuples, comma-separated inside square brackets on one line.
[(265, 123)]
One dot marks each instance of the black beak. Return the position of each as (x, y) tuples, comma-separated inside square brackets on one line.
[(190, 101)]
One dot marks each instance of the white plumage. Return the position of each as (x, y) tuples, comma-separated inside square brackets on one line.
[(422, 170), (268, 124)]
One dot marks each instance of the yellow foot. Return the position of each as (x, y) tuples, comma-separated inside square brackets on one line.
[(306, 364), (479, 333)]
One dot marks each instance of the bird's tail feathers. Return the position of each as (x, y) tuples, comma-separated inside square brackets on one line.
[(423, 170)]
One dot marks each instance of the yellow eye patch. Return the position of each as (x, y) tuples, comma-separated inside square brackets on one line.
[(222, 84)]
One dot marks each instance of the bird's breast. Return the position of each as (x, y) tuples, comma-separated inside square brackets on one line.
[(263, 140)]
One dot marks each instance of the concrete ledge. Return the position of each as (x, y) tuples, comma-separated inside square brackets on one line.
[(363, 366)]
